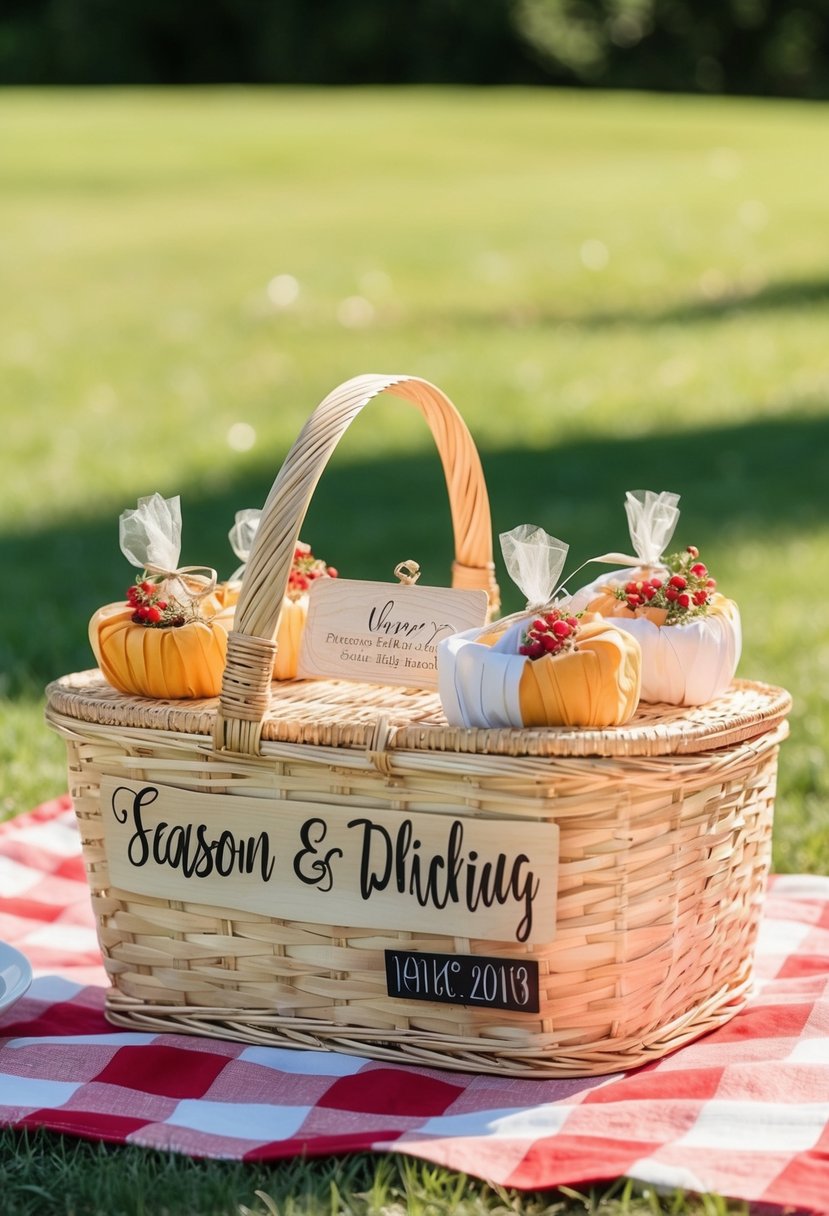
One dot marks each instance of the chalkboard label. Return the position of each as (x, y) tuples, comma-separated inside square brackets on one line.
[(463, 979)]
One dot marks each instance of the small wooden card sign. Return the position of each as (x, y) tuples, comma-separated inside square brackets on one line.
[(383, 633), (336, 865)]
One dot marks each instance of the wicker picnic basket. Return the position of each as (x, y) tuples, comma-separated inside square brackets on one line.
[(663, 835)]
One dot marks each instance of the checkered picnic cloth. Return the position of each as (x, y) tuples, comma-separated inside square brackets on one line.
[(743, 1112)]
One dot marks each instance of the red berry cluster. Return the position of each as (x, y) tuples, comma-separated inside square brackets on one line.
[(304, 569), (552, 633), (149, 606), (684, 592)]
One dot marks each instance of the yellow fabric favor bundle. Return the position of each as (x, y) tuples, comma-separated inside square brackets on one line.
[(595, 684), (169, 639)]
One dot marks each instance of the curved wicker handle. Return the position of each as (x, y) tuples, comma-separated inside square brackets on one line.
[(251, 648)]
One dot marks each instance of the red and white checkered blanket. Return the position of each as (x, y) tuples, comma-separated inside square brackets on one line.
[(743, 1112)]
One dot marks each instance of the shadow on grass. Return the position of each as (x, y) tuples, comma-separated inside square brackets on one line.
[(766, 481), (786, 295)]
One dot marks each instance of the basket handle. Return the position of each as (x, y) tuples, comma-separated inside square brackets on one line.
[(251, 647)]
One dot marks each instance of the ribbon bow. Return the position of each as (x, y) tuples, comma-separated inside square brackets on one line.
[(150, 538)]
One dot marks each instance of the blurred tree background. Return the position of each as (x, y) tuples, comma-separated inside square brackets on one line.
[(754, 47)]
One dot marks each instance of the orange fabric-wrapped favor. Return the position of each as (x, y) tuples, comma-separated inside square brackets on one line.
[(593, 682), (289, 637), (167, 663), (555, 668), (169, 640), (288, 631), (305, 569)]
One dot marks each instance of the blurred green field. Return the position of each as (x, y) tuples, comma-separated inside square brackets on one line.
[(617, 291)]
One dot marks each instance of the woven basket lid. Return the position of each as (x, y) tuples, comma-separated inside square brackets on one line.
[(339, 713)]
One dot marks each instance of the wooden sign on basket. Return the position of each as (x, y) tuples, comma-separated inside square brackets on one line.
[(349, 865), (383, 633)]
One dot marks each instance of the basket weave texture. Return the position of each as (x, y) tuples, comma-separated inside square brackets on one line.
[(664, 835)]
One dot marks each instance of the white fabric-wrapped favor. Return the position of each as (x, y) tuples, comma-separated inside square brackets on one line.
[(687, 662), (681, 664)]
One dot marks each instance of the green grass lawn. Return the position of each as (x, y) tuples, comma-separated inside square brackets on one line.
[(617, 292)]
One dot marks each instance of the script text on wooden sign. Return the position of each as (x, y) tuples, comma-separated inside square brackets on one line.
[(383, 633), (334, 864)]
